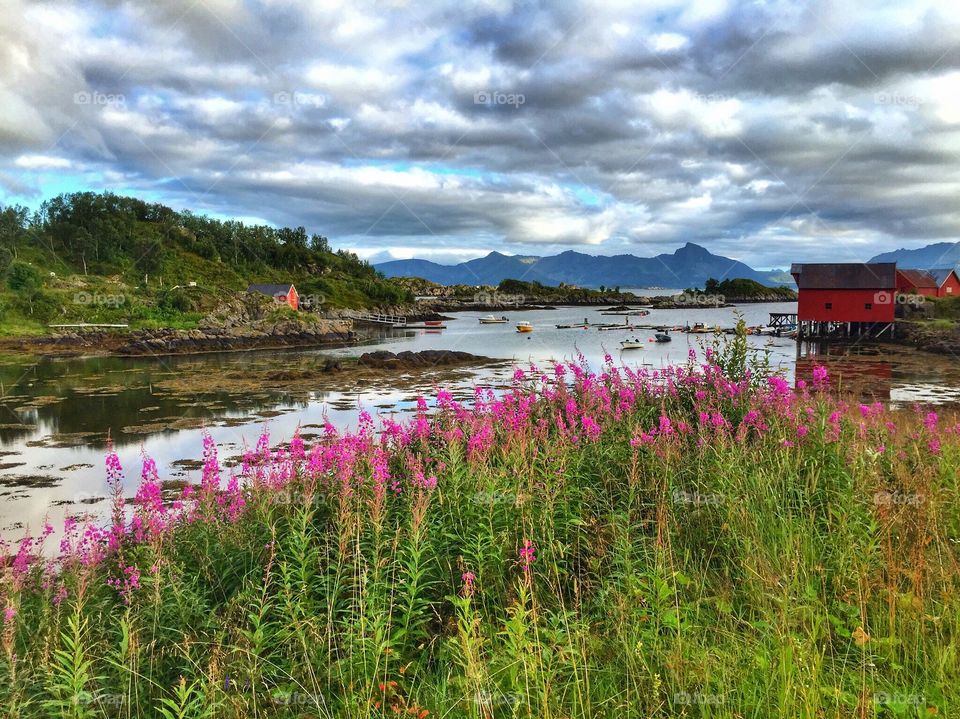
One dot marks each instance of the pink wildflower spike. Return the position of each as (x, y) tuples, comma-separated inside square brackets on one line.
[(8, 614), (820, 377), (468, 580), (528, 555)]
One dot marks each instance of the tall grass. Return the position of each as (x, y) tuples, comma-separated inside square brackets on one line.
[(698, 542)]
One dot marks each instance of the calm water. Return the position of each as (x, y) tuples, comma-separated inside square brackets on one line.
[(57, 416)]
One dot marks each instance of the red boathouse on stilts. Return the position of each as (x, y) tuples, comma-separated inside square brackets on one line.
[(845, 299)]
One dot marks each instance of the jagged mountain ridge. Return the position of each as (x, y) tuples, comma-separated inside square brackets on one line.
[(690, 265)]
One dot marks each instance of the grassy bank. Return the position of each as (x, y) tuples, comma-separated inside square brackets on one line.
[(105, 258), (696, 542)]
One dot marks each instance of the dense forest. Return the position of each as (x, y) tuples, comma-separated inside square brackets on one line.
[(145, 251)]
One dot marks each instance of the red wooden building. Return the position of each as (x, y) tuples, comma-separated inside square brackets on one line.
[(916, 282), (281, 293), (948, 283), (845, 298)]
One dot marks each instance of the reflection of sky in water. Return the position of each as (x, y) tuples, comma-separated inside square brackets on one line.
[(89, 398)]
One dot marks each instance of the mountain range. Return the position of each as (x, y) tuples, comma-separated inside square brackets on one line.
[(690, 266), (940, 254)]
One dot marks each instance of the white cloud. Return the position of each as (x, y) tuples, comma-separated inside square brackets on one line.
[(42, 162)]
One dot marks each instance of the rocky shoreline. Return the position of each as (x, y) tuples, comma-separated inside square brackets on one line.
[(927, 339), (161, 342)]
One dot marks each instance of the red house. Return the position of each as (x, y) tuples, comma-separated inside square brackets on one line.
[(286, 294), (948, 283), (853, 292), (916, 282)]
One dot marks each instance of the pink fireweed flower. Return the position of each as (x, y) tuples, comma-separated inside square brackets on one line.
[(129, 581), (666, 427), (297, 451), (820, 376), (802, 431), (642, 438), (778, 385), (468, 580), (8, 614), (528, 555), (930, 421), (590, 427), (934, 446)]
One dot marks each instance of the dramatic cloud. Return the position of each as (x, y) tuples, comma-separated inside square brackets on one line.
[(768, 131)]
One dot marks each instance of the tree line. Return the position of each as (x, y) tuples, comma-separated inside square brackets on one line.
[(103, 233)]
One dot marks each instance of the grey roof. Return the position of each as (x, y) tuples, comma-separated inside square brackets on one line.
[(845, 275), (940, 274), (919, 278), (272, 290)]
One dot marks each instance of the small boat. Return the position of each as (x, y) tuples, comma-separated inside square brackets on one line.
[(524, 327), (433, 323), (662, 337), (491, 320), (633, 344), (573, 327)]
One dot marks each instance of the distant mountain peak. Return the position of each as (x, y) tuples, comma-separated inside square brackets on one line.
[(689, 266), (938, 254), (692, 249)]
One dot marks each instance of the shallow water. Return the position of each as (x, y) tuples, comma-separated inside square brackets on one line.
[(56, 416)]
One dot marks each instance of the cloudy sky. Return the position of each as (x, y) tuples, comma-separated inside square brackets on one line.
[(767, 131)]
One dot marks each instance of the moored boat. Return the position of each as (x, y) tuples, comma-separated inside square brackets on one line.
[(491, 320), (631, 344), (524, 327), (662, 337)]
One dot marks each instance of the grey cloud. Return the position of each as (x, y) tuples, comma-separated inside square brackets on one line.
[(757, 131)]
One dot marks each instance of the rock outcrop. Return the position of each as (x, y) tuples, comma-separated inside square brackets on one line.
[(418, 360)]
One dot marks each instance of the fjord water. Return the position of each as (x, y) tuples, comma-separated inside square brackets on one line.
[(58, 415)]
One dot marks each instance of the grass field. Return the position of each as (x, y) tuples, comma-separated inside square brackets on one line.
[(698, 542)]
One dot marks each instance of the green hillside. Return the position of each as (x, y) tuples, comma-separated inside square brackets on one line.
[(87, 257)]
